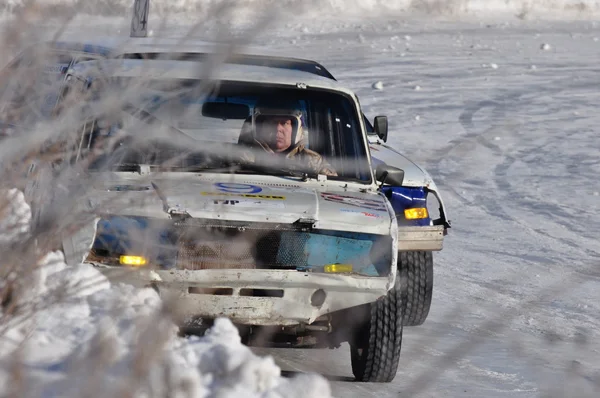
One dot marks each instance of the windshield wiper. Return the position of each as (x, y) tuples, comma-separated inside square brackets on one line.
[(222, 167), (232, 168), (279, 171), (305, 175), (244, 167)]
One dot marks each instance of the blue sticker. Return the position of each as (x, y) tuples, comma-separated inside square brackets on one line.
[(237, 188)]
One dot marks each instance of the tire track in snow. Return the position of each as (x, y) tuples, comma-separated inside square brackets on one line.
[(553, 211), (470, 140), (504, 191)]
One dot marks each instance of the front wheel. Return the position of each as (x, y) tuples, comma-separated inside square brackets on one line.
[(418, 267), (375, 348)]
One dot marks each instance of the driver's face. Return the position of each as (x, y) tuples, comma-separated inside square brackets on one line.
[(282, 129)]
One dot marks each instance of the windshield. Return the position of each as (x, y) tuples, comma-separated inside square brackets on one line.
[(184, 125)]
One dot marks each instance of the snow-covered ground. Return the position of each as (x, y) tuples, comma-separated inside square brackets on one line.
[(503, 114), (554, 9), (76, 334), (514, 150), (508, 127)]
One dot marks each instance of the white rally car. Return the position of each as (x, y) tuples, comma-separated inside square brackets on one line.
[(285, 252), (276, 247)]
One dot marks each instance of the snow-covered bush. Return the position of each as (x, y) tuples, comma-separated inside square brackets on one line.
[(69, 331), (66, 330)]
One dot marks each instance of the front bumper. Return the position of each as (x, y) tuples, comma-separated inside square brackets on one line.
[(425, 238), (227, 293)]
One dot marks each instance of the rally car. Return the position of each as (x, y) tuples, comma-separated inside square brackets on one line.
[(330, 257), (318, 259), (420, 235)]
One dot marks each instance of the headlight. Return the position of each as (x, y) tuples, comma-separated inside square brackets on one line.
[(416, 213), (133, 261), (337, 268)]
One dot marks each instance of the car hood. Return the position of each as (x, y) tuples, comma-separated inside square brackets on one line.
[(326, 205), (414, 175)]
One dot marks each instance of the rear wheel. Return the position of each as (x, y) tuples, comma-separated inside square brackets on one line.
[(418, 267), (375, 348)]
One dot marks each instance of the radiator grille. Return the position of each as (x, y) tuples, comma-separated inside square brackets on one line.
[(197, 244), (232, 248)]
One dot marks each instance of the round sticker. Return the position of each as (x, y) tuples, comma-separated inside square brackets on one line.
[(237, 188)]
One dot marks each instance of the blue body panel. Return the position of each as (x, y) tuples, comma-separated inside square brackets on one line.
[(403, 198), (325, 247), (129, 235)]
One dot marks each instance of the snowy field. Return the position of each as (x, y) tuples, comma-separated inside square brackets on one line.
[(502, 111), (508, 127)]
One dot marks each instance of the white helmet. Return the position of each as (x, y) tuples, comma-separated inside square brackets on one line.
[(270, 109)]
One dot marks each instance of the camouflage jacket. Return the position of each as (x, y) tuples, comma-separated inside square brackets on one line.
[(300, 154)]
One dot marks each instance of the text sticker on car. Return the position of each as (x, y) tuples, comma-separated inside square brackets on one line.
[(370, 204)]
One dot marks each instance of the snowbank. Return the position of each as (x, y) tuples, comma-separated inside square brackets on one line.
[(327, 8), (77, 333)]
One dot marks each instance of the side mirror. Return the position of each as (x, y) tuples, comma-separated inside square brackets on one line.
[(381, 127), (389, 175)]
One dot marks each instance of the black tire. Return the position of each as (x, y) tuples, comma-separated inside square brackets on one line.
[(419, 272), (375, 348)]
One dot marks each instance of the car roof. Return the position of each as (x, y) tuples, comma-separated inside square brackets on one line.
[(187, 49), (158, 69)]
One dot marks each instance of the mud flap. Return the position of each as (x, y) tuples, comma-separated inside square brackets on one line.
[(77, 246)]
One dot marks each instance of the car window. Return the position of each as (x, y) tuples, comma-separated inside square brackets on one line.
[(369, 126), (234, 115)]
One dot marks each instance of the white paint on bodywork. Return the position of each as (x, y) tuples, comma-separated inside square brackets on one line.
[(343, 291), (77, 245), (163, 69), (195, 194), (414, 175)]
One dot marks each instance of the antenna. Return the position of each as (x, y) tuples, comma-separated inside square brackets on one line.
[(139, 19)]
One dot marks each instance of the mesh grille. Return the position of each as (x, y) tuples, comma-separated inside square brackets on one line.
[(292, 248), (211, 255), (232, 248), (197, 244)]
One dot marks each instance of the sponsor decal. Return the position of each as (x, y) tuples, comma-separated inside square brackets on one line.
[(370, 204), (237, 188), (246, 203), (245, 195), (364, 213)]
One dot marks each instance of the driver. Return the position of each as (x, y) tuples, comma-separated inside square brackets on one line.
[(278, 131)]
